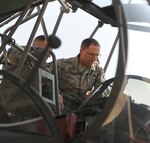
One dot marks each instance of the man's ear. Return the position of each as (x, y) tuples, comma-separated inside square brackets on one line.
[(81, 50)]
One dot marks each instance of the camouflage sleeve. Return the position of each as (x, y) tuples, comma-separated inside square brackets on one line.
[(36, 51), (100, 78), (13, 56), (51, 66)]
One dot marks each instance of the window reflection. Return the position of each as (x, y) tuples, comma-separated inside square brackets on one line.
[(138, 90)]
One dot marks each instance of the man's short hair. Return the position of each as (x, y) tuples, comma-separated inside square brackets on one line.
[(87, 42), (40, 38)]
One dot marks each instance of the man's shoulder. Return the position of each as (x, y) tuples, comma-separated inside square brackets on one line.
[(63, 62), (66, 59), (66, 62)]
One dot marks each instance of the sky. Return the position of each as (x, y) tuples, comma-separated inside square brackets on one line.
[(75, 27)]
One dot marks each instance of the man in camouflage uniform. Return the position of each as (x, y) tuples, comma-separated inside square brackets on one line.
[(14, 55), (80, 74), (12, 59), (13, 99)]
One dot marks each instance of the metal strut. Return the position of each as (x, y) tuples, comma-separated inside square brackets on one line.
[(64, 8), (100, 24)]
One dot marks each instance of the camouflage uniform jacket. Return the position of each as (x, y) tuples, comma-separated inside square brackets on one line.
[(13, 57), (75, 80)]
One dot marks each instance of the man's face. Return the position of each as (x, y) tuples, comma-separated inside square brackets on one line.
[(41, 44), (89, 55)]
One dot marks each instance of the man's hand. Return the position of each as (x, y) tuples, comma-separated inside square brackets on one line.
[(88, 93)]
